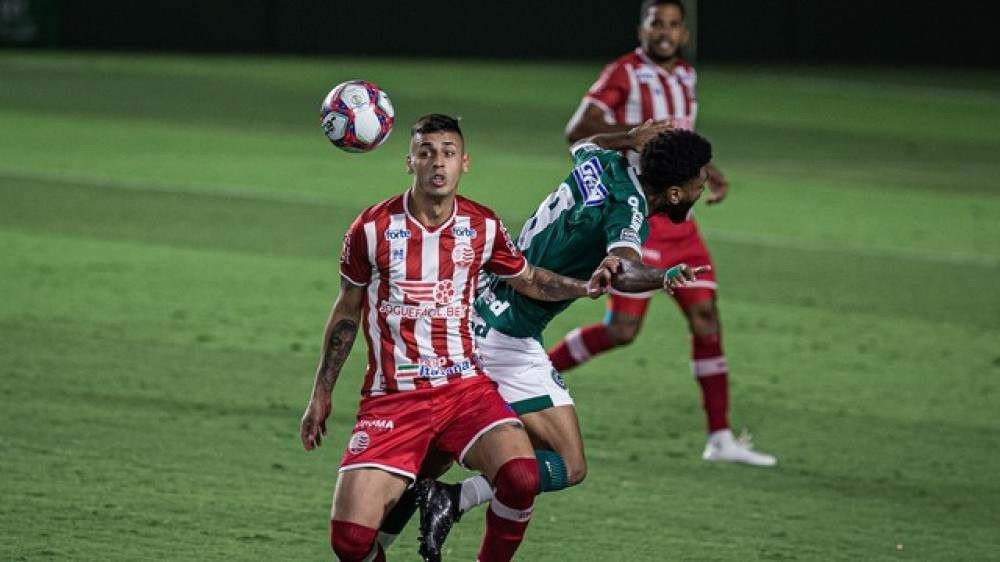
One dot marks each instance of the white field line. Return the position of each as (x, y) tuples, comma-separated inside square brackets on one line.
[(252, 193)]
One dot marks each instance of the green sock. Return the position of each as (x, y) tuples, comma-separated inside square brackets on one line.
[(551, 471)]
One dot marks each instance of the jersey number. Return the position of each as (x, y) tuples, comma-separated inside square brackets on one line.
[(554, 205)]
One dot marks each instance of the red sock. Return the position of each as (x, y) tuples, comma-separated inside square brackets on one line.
[(510, 510), (579, 346), (712, 372), (353, 543)]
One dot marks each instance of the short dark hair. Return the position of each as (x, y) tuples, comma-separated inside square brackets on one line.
[(436, 123), (647, 4), (673, 158)]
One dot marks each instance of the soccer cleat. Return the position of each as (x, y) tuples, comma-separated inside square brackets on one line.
[(438, 512), (723, 447)]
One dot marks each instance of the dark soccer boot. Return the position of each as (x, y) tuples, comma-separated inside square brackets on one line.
[(438, 512)]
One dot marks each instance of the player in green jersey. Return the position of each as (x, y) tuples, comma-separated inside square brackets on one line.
[(597, 214)]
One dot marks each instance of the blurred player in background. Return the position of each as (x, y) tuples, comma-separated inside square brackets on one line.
[(409, 268), (653, 82), (596, 218)]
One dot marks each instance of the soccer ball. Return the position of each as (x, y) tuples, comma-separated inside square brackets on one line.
[(357, 116)]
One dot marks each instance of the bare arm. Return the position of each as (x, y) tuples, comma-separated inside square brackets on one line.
[(544, 285), (717, 184), (632, 276), (589, 120), (633, 138), (338, 338)]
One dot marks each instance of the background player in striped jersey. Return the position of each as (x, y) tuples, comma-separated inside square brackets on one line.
[(654, 82), (409, 268), (597, 216)]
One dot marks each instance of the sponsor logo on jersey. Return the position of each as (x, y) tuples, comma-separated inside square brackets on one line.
[(383, 425), (588, 181), (359, 442), (397, 234), (507, 239), (464, 232), (415, 312), (463, 255), (433, 367), (345, 248), (637, 216)]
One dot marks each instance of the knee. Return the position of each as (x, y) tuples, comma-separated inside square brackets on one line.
[(351, 542), (517, 481), (623, 333), (703, 318), (576, 471)]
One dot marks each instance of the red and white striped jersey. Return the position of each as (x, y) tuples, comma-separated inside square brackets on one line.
[(420, 286), (633, 88)]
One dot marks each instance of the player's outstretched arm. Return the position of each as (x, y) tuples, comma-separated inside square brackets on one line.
[(717, 184), (634, 138), (630, 275), (589, 120), (341, 329), (544, 285)]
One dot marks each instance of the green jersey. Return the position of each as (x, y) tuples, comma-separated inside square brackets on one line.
[(599, 206)]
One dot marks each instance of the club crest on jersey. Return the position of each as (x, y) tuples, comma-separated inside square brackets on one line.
[(463, 255), (464, 232), (397, 234), (588, 181), (359, 442)]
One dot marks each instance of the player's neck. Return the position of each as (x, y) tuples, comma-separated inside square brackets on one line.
[(665, 64), (429, 210)]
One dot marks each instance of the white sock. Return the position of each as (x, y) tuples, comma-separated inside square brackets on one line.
[(475, 491)]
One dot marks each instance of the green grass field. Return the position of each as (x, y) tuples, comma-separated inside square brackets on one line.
[(169, 229)]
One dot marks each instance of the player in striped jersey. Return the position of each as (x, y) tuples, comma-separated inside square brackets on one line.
[(597, 215), (409, 268), (654, 82)]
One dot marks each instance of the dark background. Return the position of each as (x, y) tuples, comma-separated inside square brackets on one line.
[(918, 32)]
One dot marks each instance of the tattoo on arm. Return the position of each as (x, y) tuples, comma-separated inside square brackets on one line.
[(635, 277), (335, 351), (549, 286)]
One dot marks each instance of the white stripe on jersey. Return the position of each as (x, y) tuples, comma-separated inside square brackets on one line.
[(378, 377), (491, 236), (633, 110), (430, 247)]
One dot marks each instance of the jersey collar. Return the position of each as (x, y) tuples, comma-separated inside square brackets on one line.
[(439, 228)]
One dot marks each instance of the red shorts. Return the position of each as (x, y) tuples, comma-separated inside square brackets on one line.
[(395, 431), (668, 245)]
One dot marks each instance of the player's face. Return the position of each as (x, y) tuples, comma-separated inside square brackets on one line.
[(437, 161), (662, 32), (677, 200)]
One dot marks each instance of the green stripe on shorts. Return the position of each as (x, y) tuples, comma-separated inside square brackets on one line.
[(535, 404)]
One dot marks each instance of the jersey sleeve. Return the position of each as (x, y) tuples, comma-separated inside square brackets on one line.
[(625, 223), (506, 260), (610, 90), (354, 263)]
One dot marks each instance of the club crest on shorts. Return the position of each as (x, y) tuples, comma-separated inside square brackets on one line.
[(359, 442), (557, 378)]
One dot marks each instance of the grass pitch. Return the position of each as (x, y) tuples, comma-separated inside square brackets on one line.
[(169, 228)]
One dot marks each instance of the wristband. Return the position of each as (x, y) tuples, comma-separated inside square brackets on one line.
[(673, 273)]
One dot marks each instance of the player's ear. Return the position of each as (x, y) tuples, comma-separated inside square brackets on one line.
[(409, 164), (674, 195), (465, 162), (685, 36)]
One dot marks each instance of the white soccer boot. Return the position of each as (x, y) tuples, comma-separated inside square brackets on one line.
[(722, 446)]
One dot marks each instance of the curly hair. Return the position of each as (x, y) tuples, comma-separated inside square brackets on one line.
[(436, 123), (673, 158)]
